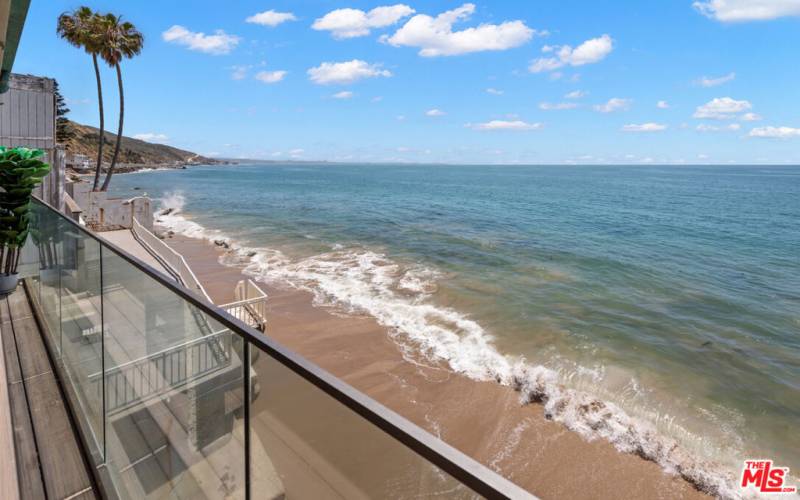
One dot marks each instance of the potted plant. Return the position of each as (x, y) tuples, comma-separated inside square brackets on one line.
[(21, 170)]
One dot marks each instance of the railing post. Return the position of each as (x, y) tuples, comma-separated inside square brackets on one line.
[(247, 388), (103, 357)]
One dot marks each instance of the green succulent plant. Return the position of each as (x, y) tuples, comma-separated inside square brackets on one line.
[(21, 170)]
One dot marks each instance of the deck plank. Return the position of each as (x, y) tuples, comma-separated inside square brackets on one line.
[(33, 357), (26, 458), (9, 487), (13, 372), (62, 464), (5, 314), (18, 305), (28, 472), (40, 416)]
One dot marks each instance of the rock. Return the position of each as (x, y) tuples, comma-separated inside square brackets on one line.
[(166, 211), (222, 243), (251, 253)]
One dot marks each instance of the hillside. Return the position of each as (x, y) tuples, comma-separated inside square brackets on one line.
[(133, 152)]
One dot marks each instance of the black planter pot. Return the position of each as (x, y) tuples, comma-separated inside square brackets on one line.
[(8, 283)]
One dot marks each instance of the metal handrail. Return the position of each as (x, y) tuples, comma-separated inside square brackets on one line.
[(246, 306), (463, 468), (156, 375), (173, 259), (136, 361)]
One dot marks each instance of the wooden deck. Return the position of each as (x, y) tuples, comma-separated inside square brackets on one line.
[(48, 457)]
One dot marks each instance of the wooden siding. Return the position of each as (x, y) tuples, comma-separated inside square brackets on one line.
[(27, 118), (27, 113)]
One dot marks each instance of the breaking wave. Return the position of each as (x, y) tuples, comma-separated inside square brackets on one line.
[(362, 281)]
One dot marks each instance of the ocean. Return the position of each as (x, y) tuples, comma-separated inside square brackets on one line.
[(670, 293)]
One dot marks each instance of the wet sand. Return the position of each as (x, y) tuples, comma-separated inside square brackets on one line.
[(483, 419)]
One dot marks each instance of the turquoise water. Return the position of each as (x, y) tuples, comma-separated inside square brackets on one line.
[(672, 292)]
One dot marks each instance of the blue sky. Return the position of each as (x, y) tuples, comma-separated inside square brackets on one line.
[(540, 81)]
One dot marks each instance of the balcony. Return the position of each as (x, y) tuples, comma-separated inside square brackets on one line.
[(171, 396)]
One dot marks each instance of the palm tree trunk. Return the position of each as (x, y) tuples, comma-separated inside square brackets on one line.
[(119, 129), (102, 124)]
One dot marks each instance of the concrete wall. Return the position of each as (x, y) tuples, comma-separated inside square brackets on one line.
[(102, 213), (51, 189)]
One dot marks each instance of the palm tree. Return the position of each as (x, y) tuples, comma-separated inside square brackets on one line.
[(118, 40), (79, 30)]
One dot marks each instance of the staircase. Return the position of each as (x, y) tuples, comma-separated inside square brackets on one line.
[(250, 305)]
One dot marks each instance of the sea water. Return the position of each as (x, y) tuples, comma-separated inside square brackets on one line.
[(668, 295)]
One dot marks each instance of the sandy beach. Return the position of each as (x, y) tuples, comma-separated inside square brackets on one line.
[(483, 419)]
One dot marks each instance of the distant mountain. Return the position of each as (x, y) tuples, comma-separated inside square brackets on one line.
[(132, 152)]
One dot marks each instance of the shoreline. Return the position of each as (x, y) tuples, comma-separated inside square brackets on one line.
[(133, 168), (516, 439)]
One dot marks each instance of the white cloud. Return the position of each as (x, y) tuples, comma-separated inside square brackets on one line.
[(662, 105), (435, 36), (722, 108), (644, 127), (352, 23), (344, 94), (551, 106), (494, 91), (435, 112), (704, 127), (613, 104), (708, 81), (589, 52), (747, 10), (271, 18), (377, 98), (576, 94), (775, 132), (505, 125), (239, 72), (217, 44), (271, 76), (750, 117), (343, 73), (152, 137)]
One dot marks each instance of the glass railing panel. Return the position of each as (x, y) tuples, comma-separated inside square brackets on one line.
[(305, 444), (82, 330), (174, 382), (46, 234), (159, 394)]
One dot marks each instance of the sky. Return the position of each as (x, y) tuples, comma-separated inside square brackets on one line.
[(531, 82)]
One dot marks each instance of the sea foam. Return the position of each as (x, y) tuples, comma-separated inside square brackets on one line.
[(362, 281)]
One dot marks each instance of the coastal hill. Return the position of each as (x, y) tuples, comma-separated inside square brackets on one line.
[(133, 152)]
